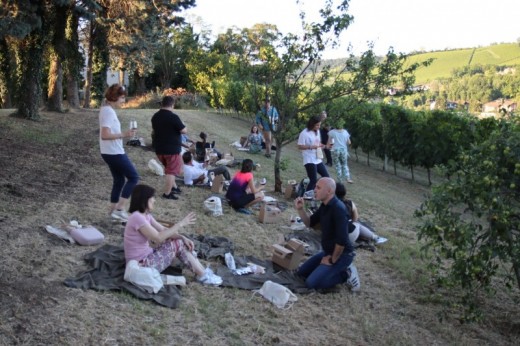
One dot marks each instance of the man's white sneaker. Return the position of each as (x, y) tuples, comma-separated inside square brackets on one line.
[(210, 279), (380, 240), (353, 280), (119, 215)]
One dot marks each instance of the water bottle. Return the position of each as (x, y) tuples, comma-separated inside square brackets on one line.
[(230, 261)]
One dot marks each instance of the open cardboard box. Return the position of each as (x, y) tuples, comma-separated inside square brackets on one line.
[(290, 254), (269, 213)]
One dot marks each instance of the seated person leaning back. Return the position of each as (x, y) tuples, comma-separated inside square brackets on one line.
[(328, 267), (196, 172), (254, 140), (242, 192), (142, 228)]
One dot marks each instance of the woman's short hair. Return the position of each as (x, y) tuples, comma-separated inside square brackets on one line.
[(140, 196), (247, 166), (114, 92), (252, 127), (313, 121)]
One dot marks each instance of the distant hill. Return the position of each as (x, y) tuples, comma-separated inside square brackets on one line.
[(504, 54)]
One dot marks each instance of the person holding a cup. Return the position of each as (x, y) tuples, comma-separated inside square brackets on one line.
[(124, 174)]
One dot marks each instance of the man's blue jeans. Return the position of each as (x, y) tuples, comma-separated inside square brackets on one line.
[(121, 167), (319, 276)]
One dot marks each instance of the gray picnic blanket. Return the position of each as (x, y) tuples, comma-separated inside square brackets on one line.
[(108, 268)]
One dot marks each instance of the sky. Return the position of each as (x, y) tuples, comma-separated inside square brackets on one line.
[(406, 25)]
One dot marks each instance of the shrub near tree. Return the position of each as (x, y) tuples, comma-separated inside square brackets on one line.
[(470, 225)]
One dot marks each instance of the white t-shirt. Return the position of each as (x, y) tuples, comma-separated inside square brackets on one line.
[(108, 118), (341, 137), (193, 172), (309, 138)]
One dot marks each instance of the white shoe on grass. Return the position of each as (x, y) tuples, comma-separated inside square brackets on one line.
[(210, 279), (353, 279), (380, 240), (119, 215)]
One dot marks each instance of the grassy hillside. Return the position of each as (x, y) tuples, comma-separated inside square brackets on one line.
[(444, 62)]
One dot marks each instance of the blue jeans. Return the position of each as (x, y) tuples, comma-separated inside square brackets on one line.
[(319, 276), (124, 174), (312, 173)]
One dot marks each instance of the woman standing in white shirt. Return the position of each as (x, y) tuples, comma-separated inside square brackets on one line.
[(310, 144), (124, 175)]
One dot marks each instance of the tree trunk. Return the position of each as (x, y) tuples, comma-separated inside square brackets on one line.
[(277, 158), (88, 78), (31, 82), (72, 92), (429, 176), (6, 83), (73, 61), (58, 52), (55, 93)]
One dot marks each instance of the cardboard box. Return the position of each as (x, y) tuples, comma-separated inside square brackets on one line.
[(217, 185), (290, 191), (290, 254), (228, 156), (269, 213)]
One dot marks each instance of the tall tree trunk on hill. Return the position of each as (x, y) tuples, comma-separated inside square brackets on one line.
[(31, 64), (55, 93), (6, 83), (88, 77), (73, 61), (58, 52)]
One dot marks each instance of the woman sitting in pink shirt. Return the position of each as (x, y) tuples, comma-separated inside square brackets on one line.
[(142, 228)]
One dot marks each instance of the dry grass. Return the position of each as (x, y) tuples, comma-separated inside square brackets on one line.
[(52, 171)]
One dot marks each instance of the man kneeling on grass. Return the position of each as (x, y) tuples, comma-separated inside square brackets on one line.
[(331, 266), (196, 172)]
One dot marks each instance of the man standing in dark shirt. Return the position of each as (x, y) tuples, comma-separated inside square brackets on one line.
[(324, 138), (167, 130), (330, 266)]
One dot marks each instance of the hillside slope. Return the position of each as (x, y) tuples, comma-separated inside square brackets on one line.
[(444, 62)]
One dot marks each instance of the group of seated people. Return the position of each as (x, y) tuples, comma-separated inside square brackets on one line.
[(333, 265)]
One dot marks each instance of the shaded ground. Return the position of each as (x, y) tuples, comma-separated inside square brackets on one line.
[(51, 172)]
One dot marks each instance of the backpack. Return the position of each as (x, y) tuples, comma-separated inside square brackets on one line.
[(302, 186)]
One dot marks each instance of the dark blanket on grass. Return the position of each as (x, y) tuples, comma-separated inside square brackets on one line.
[(108, 268)]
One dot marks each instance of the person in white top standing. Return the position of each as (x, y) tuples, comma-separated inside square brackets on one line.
[(309, 143), (124, 174), (339, 140)]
